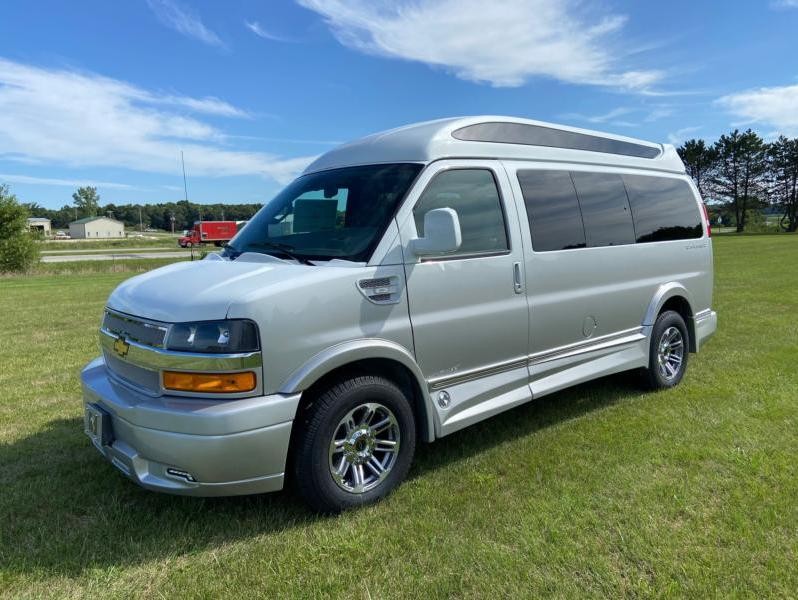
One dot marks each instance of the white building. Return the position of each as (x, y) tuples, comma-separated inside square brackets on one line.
[(93, 228), (40, 224)]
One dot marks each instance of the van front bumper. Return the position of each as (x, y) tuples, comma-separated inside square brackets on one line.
[(191, 446)]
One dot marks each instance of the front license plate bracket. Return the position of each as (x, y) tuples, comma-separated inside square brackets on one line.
[(97, 425)]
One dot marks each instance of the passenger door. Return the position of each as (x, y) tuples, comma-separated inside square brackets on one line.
[(588, 285), (468, 309)]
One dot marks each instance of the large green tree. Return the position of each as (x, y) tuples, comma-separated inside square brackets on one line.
[(741, 172), (18, 250), (783, 167), (87, 200), (700, 160)]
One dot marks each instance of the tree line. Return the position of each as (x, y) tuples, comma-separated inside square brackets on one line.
[(86, 203), (740, 174)]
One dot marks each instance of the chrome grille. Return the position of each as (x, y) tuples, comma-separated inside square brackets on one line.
[(381, 290), (380, 297), (374, 283), (150, 334), (140, 377)]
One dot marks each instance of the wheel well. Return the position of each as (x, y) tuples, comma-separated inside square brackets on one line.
[(680, 305), (384, 367)]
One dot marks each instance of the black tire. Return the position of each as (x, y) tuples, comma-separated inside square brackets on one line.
[(320, 421), (662, 372)]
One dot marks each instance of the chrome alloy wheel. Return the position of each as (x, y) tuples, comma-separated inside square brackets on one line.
[(364, 448), (670, 353)]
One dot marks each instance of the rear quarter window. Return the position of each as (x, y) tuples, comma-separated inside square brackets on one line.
[(663, 208), (605, 209)]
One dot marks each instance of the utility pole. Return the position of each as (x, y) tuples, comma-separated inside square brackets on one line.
[(185, 184), (141, 224)]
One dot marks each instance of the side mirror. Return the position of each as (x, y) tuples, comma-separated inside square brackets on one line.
[(441, 233)]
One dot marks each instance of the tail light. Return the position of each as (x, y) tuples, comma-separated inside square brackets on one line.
[(706, 219)]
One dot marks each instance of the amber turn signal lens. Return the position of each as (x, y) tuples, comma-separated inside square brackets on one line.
[(214, 383)]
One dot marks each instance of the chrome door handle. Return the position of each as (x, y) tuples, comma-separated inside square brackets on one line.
[(518, 286)]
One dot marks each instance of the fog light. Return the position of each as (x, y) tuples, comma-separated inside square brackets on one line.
[(213, 383), (177, 473)]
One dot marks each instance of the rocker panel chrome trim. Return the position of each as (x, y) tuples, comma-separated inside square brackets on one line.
[(614, 339)]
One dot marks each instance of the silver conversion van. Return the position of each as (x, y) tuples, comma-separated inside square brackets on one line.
[(405, 286)]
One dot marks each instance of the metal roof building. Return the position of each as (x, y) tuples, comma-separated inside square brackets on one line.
[(40, 224), (96, 228)]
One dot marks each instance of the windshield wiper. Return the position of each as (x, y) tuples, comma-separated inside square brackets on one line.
[(281, 248), (231, 253)]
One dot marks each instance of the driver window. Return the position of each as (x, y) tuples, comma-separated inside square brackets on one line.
[(473, 194)]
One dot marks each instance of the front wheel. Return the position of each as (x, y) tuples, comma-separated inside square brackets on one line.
[(355, 444), (667, 361)]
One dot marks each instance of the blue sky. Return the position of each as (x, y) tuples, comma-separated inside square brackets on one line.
[(109, 93)]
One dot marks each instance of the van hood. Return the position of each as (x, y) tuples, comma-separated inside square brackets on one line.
[(204, 290)]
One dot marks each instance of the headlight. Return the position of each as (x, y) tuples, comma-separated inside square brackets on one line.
[(216, 337)]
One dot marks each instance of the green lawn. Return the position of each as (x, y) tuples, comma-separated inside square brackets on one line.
[(84, 267), (597, 491), (149, 239)]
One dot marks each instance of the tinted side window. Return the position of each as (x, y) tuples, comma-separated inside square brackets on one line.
[(473, 194), (538, 135), (552, 210), (605, 209), (663, 208)]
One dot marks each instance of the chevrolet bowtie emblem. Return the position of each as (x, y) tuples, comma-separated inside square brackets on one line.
[(121, 346)]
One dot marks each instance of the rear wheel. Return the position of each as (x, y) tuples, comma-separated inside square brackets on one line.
[(669, 351), (355, 444)]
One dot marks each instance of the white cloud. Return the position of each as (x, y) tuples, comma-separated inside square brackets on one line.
[(613, 114), (774, 106), (680, 135), (502, 43), (72, 183), (608, 117), (208, 105), (86, 120), (613, 117), (658, 113), (784, 4), (182, 20), (261, 32)]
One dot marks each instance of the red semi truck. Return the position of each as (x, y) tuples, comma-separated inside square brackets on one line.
[(209, 232)]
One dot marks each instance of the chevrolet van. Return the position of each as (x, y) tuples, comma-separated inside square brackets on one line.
[(405, 286)]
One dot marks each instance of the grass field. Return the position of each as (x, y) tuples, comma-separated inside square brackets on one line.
[(597, 491), (150, 239), (130, 266)]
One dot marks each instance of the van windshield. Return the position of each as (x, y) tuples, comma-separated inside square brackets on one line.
[(341, 214)]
